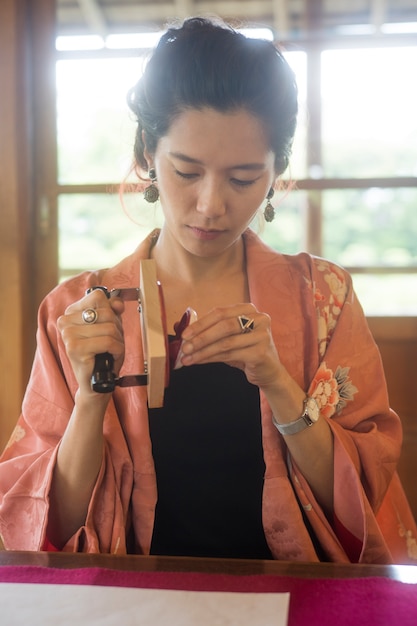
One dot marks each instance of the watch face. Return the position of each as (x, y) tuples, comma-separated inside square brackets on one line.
[(312, 409)]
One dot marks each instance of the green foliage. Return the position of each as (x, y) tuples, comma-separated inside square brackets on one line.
[(371, 227), (95, 231)]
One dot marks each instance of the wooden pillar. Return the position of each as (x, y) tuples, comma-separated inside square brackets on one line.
[(314, 235), (20, 143)]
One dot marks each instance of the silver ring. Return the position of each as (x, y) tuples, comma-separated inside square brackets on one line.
[(246, 324), (90, 316)]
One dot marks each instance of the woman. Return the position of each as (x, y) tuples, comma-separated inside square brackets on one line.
[(276, 439)]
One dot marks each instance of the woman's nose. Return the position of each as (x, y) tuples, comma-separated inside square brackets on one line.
[(211, 198)]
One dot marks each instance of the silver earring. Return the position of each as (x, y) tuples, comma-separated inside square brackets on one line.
[(151, 193), (269, 211)]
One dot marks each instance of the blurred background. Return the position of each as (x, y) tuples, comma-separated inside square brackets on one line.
[(355, 155)]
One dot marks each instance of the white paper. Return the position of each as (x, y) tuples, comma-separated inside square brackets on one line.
[(79, 605)]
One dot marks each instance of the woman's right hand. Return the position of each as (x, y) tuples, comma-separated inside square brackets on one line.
[(83, 341)]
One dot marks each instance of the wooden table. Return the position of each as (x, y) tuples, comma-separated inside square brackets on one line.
[(235, 567)]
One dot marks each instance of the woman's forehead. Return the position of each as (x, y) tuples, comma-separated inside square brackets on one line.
[(197, 135)]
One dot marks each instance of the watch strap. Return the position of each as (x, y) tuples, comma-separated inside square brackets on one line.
[(296, 426), (293, 427)]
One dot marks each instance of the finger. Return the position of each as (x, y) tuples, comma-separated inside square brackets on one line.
[(95, 300), (248, 348), (89, 315), (87, 341), (227, 316), (225, 348), (220, 328)]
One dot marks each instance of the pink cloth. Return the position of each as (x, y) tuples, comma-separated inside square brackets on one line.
[(324, 342), (313, 602)]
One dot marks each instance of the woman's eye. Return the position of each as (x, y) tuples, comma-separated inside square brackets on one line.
[(243, 183), (187, 175)]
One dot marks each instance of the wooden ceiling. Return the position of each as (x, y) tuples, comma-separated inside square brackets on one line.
[(288, 18)]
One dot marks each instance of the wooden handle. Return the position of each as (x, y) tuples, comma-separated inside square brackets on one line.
[(153, 332)]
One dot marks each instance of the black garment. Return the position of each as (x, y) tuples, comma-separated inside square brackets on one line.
[(209, 465)]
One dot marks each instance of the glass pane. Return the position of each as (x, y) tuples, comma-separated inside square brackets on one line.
[(369, 104), (97, 230), (298, 161), (387, 294), (285, 233), (370, 227), (95, 129)]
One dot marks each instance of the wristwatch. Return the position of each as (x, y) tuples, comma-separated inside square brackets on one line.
[(310, 415)]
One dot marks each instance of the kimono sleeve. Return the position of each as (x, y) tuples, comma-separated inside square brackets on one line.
[(28, 461), (350, 388)]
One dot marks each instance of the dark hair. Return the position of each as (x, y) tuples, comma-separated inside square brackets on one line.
[(206, 63)]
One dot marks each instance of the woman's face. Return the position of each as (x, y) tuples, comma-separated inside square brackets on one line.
[(214, 171)]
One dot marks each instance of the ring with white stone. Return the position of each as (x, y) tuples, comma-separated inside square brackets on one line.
[(89, 316)]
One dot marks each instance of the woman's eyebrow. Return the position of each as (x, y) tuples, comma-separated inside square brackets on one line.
[(239, 166)]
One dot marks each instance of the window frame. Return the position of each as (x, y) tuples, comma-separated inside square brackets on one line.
[(314, 187)]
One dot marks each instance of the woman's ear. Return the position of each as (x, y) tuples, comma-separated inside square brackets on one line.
[(146, 154)]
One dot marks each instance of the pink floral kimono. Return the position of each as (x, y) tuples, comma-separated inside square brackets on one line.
[(323, 340)]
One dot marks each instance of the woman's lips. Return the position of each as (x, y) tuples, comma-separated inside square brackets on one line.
[(205, 234)]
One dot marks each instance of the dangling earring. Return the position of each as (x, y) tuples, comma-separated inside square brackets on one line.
[(151, 193), (269, 212)]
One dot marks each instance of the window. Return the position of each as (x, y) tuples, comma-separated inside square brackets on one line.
[(95, 134), (354, 166)]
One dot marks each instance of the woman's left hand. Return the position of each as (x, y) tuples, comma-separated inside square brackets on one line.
[(218, 337)]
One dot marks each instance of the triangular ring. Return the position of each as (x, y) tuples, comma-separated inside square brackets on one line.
[(246, 323)]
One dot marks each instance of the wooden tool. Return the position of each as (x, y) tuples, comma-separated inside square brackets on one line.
[(154, 333), (156, 365)]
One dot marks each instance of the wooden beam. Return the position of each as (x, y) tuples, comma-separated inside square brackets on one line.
[(184, 8), (94, 16), (281, 21)]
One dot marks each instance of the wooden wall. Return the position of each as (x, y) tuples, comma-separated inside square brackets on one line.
[(397, 341), (27, 176), (15, 208)]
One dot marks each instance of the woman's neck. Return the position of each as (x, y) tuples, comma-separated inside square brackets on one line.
[(175, 262), (201, 283)]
